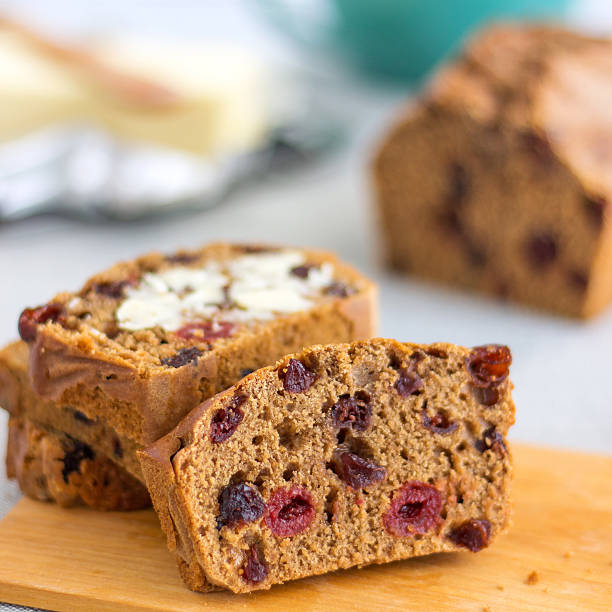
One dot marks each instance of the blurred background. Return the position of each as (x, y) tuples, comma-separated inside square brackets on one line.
[(134, 126)]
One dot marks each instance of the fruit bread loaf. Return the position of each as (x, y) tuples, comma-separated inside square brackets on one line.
[(52, 466), (146, 341), (19, 400), (341, 455), (499, 178)]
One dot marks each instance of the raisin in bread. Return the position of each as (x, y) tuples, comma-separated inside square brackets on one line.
[(341, 455), (52, 466), (499, 178), (19, 399), (146, 341)]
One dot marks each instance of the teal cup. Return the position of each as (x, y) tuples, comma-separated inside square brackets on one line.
[(398, 39)]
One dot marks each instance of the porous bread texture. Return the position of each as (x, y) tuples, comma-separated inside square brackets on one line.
[(120, 376), (498, 178), (19, 400), (288, 439), (51, 466)]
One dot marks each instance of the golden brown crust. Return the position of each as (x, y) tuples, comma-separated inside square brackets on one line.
[(469, 464), (496, 182)]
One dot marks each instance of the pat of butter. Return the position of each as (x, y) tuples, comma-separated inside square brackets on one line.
[(218, 90), (258, 287)]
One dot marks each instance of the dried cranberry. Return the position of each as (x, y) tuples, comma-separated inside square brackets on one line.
[(489, 365), (117, 448), (432, 351), (578, 280), (415, 509), (296, 377), (459, 185), (473, 534), (450, 220), (290, 511), (226, 420), (182, 257), (357, 472), (111, 289), (354, 412), (491, 439), (82, 417), (541, 250), (487, 396), (255, 569), (183, 357), (239, 504), (539, 147), (339, 289), (302, 271), (206, 330), (257, 248), (476, 255), (73, 457), (30, 318), (596, 207), (439, 423), (408, 381)]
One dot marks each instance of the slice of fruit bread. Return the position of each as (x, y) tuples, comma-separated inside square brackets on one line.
[(341, 455), (145, 342)]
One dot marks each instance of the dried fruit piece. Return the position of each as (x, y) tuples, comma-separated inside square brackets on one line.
[(117, 448), (226, 420), (487, 396), (415, 509), (578, 280), (491, 439), (408, 381), (354, 412), (290, 511), (355, 471), (30, 318), (111, 289), (302, 271), (489, 365), (183, 357), (239, 504), (596, 207), (206, 330), (538, 146), (82, 417), (255, 569), (541, 250), (339, 289), (473, 534), (296, 377), (459, 185), (73, 457), (439, 423), (182, 258)]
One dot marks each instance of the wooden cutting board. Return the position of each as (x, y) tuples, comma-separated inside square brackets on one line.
[(562, 536)]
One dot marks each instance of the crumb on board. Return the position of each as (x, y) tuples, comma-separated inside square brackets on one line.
[(500, 587), (532, 578), (568, 554), (487, 609)]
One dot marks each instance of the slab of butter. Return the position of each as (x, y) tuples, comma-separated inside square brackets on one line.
[(218, 90)]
